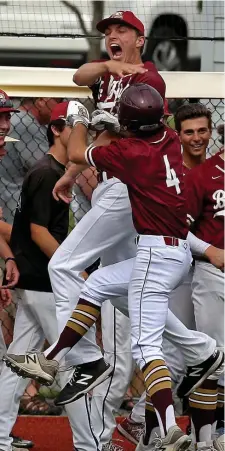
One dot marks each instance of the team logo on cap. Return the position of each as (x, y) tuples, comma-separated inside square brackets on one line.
[(2, 97), (117, 15)]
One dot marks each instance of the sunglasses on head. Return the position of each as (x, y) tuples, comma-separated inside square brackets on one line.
[(6, 103)]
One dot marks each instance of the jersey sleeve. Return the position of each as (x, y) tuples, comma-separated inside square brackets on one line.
[(40, 193), (195, 192), (113, 158), (154, 79)]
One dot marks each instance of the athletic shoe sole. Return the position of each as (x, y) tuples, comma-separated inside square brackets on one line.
[(39, 376), (107, 373), (208, 373), (126, 434)]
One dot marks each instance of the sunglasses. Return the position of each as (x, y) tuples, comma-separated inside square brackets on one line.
[(6, 103)]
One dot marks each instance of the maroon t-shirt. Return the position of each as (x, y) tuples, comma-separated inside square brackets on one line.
[(206, 200), (153, 172), (108, 89)]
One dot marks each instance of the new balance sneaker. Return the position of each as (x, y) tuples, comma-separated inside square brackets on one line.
[(33, 365), (219, 443), (131, 430), (84, 379), (175, 440), (197, 374), (112, 446)]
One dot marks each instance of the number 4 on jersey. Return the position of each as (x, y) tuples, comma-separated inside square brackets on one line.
[(171, 176)]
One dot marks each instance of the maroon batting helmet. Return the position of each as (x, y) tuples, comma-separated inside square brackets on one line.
[(141, 107)]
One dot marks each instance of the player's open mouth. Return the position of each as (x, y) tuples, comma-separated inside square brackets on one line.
[(116, 50)]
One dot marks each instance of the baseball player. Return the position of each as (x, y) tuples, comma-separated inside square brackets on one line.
[(39, 227), (106, 231), (193, 123), (6, 108), (86, 313), (206, 207)]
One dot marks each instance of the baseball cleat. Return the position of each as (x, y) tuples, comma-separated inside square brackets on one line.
[(131, 430), (219, 443), (197, 374), (175, 440), (85, 377), (33, 365)]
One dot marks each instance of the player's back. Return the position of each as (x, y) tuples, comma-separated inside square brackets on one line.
[(157, 187)]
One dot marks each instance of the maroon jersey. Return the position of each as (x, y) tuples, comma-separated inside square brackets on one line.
[(108, 89), (206, 200), (185, 169), (153, 172)]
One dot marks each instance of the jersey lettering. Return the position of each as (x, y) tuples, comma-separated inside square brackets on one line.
[(219, 197), (171, 176)]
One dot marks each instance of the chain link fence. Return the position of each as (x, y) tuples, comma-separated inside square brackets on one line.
[(30, 146), (175, 31)]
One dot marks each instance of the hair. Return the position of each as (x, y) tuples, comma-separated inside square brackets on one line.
[(191, 111), (220, 131), (59, 124)]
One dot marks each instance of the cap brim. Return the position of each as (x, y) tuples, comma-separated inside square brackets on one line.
[(103, 24), (9, 110), (9, 139)]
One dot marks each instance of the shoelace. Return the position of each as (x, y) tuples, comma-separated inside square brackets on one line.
[(74, 377)]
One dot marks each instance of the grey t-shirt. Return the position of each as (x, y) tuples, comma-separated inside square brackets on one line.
[(20, 157)]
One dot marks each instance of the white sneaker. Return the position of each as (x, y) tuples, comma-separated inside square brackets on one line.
[(175, 440), (219, 443), (33, 365), (205, 446)]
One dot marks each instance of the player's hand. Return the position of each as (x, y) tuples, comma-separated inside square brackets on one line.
[(11, 274), (63, 188), (102, 120), (77, 113), (121, 69), (216, 257)]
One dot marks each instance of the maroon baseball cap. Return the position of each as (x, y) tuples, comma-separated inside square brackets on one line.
[(60, 111), (122, 17), (6, 105)]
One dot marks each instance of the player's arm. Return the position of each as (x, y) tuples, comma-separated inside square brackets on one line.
[(89, 73), (41, 211), (105, 157), (11, 270), (5, 231)]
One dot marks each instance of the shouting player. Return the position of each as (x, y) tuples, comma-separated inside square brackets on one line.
[(106, 231)]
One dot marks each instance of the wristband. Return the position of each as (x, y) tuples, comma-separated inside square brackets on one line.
[(10, 258)]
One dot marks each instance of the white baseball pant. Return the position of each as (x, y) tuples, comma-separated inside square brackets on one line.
[(3, 348), (208, 301), (35, 320), (112, 282), (106, 231)]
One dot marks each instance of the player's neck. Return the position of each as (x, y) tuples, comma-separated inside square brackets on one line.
[(59, 153), (190, 161)]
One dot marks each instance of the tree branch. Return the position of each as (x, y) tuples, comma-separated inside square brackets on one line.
[(76, 10)]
